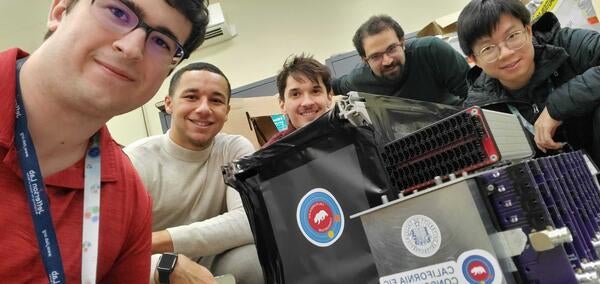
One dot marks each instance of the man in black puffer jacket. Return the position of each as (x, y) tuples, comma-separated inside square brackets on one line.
[(548, 75)]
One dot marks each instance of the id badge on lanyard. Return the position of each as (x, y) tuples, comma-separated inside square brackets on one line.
[(40, 207)]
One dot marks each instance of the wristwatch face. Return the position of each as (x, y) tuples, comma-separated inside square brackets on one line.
[(167, 262)]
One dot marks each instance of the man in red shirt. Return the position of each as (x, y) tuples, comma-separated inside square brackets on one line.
[(304, 86), (101, 58)]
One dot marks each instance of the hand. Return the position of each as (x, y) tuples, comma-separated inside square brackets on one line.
[(545, 128), (162, 242), (186, 271)]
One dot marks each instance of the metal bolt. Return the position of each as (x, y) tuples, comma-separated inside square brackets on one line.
[(501, 188), (384, 199)]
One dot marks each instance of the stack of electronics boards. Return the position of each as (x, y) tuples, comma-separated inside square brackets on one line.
[(555, 201), (463, 199), (535, 221)]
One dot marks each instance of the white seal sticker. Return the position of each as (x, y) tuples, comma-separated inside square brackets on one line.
[(421, 236)]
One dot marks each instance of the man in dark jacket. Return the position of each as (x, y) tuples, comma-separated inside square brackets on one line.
[(426, 69), (547, 75)]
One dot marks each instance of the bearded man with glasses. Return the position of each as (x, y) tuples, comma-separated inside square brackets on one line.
[(545, 74), (74, 210), (426, 69)]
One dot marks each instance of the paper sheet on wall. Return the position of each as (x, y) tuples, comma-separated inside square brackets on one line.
[(570, 13)]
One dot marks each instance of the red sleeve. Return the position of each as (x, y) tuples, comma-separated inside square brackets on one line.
[(278, 136)]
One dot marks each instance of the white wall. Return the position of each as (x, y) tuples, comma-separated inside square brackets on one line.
[(269, 31)]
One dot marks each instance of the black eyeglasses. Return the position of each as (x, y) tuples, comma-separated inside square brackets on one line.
[(377, 58), (117, 17)]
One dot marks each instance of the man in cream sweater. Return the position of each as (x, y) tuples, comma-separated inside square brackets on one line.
[(194, 212)]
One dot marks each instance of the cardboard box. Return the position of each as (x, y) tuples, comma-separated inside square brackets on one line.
[(251, 118), (264, 127), (441, 26)]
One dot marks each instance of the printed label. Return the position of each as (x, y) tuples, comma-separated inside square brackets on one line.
[(320, 217)]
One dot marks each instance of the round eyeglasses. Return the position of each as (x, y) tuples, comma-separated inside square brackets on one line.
[(514, 41)]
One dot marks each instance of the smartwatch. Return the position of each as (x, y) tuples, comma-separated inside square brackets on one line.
[(166, 264)]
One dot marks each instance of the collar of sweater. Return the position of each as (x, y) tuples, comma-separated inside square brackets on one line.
[(184, 154)]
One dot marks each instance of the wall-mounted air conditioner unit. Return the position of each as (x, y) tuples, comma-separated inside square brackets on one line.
[(218, 29)]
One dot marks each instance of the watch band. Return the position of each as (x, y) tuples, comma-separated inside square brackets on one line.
[(166, 265)]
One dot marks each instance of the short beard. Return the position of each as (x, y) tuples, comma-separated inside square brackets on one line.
[(395, 76)]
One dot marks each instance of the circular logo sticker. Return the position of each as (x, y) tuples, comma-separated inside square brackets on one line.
[(320, 217), (421, 235), (479, 267)]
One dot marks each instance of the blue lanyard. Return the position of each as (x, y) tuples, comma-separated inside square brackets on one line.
[(40, 207), (524, 121), (37, 197)]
